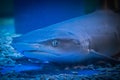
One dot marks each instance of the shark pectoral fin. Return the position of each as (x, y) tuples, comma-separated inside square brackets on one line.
[(101, 57)]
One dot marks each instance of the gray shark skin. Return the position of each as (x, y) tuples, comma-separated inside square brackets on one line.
[(96, 35)]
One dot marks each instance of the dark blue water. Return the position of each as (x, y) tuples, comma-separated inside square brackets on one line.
[(35, 14)]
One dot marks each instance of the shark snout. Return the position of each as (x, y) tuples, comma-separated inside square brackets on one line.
[(21, 47), (35, 51)]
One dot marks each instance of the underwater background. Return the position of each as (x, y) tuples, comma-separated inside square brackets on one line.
[(18, 17)]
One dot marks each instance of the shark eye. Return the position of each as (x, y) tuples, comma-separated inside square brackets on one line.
[(55, 43)]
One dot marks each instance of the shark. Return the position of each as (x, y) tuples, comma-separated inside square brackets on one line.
[(82, 39)]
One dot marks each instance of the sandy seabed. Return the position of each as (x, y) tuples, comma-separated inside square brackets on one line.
[(9, 58)]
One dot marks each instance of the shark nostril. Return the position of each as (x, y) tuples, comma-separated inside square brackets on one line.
[(40, 46)]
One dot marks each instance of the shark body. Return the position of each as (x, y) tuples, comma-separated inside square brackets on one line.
[(74, 40)]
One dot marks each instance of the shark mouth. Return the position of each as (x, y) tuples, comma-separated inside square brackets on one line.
[(32, 51), (39, 51)]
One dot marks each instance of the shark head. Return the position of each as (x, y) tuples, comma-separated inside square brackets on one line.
[(51, 45), (71, 40)]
